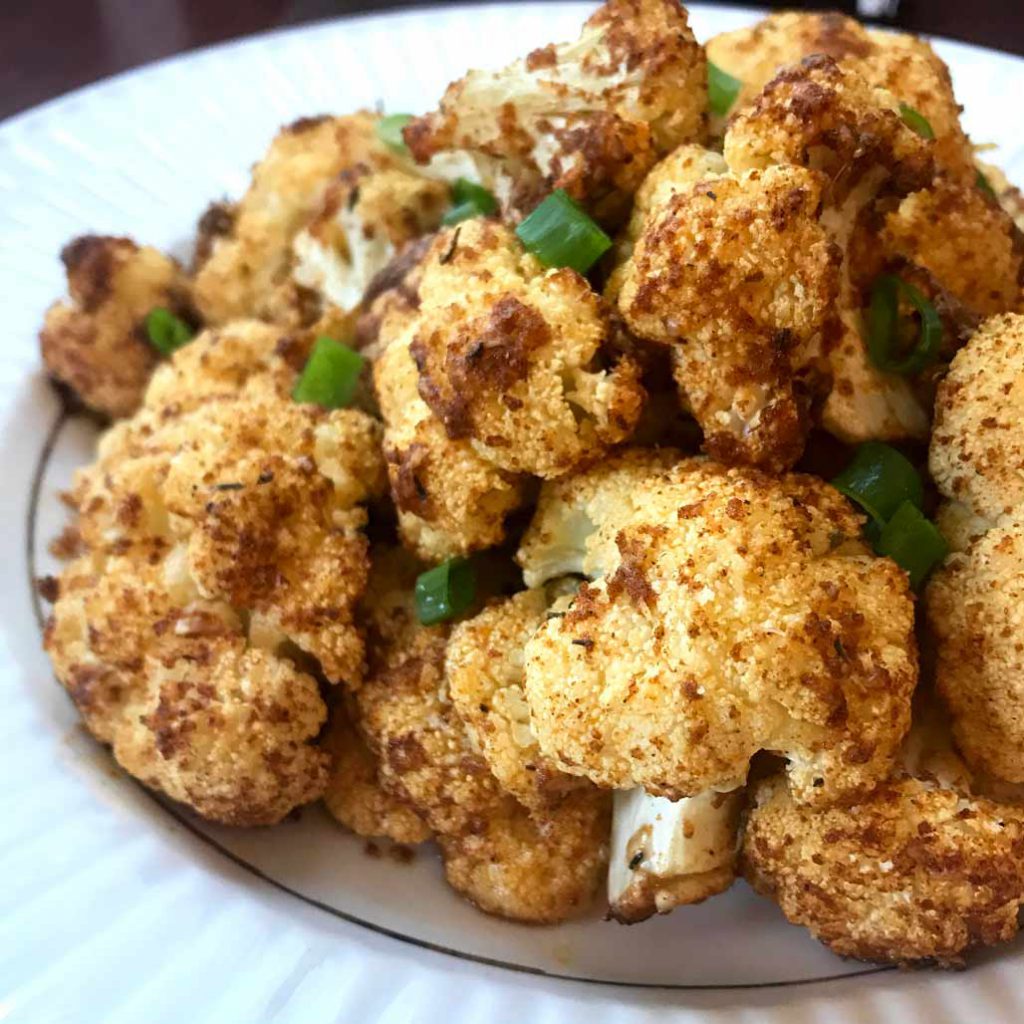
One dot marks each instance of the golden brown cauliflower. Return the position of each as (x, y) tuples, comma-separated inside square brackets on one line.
[(919, 870), (974, 600), (248, 261), (591, 117), (484, 671), (737, 275), (904, 65), (354, 795), (96, 344), (217, 545), (540, 867), (730, 612), (519, 360)]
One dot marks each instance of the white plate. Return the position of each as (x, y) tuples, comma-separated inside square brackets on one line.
[(114, 907)]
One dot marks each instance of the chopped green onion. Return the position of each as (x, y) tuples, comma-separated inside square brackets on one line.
[(445, 591), (166, 332), (330, 376), (984, 184), (560, 234), (722, 90), (916, 121), (880, 479), (913, 542), (470, 200), (884, 327), (389, 130)]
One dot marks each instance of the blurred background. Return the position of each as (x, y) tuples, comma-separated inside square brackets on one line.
[(50, 46)]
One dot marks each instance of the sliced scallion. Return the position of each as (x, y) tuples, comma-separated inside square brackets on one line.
[(389, 130), (446, 591), (469, 200), (560, 234), (913, 542), (166, 332), (884, 325), (331, 375), (984, 184), (916, 121), (722, 90), (880, 479)]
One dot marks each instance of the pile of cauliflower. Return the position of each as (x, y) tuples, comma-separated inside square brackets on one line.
[(683, 662)]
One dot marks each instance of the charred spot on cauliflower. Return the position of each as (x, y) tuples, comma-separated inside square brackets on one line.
[(96, 343), (216, 544), (590, 117), (733, 612)]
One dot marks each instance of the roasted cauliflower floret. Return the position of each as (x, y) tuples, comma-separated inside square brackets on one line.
[(738, 276), (217, 543), (590, 117), (484, 670), (247, 271), (973, 601), (919, 870), (518, 360), (365, 218), (904, 65), (96, 343), (354, 795), (733, 612), (542, 867), (449, 499)]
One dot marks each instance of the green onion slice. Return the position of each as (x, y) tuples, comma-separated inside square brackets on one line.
[(880, 479), (913, 542), (445, 591), (885, 325), (469, 200), (984, 184), (331, 375), (560, 234), (166, 332), (722, 90), (389, 130), (916, 121)]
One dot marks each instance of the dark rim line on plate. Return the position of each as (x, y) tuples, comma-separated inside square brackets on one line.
[(62, 419)]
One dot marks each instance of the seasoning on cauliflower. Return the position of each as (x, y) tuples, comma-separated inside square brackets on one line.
[(484, 670), (520, 361), (730, 612), (217, 542), (590, 117), (247, 272), (738, 276), (922, 869), (904, 65), (974, 600), (96, 344), (354, 795)]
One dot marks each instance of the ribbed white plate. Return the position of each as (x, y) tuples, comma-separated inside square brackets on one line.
[(117, 909)]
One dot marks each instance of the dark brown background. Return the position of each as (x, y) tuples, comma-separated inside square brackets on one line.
[(51, 46)]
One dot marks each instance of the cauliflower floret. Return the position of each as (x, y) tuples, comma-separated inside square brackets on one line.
[(977, 450), (96, 343), (364, 220), (739, 277), (920, 869), (519, 360), (734, 612), (904, 65), (248, 259), (216, 539), (484, 670), (354, 795), (540, 867), (450, 500), (1007, 194), (591, 116)]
